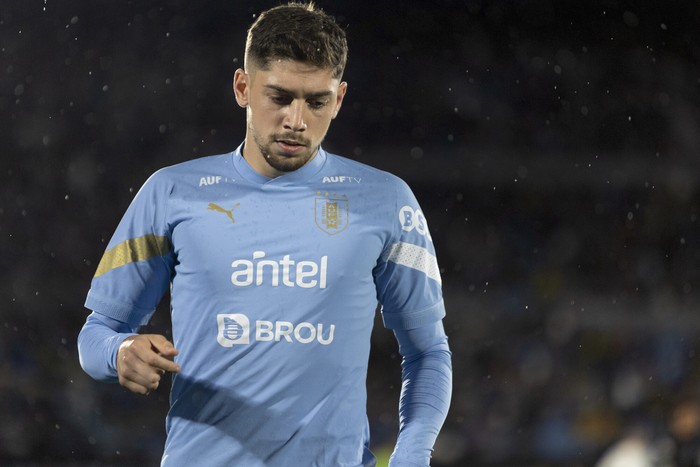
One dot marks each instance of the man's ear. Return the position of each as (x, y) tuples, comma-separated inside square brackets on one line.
[(241, 84), (342, 88)]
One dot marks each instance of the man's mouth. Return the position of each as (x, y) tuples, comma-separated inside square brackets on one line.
[(290, 146), (290, 142)]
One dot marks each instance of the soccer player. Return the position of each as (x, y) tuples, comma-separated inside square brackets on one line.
[(276, 255)]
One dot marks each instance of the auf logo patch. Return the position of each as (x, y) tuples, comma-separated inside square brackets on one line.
[(228, 212), (331, 213)]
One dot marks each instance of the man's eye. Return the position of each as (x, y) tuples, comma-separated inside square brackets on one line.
[(281, 100), (317, 104)]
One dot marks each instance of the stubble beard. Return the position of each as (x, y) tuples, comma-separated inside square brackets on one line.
[(281, 161)]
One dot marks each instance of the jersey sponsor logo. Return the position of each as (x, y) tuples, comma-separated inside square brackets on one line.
[(210, 180), (286, 271), (228, 212), (411, 219), (235, 329), (331, 213), (341, 179)]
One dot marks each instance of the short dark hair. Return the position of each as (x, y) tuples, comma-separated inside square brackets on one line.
[(300, 32)]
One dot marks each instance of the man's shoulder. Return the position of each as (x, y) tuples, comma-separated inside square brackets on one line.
[(215, 162), (192, 170), (341, 166)]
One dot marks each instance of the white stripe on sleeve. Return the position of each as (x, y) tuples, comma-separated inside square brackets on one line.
[(415, 257)]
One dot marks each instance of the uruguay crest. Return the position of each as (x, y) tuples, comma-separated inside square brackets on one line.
[(331, 213)]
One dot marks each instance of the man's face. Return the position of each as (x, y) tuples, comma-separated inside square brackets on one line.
[(289, 106)]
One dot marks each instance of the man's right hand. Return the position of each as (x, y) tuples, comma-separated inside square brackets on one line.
[(143, 359)]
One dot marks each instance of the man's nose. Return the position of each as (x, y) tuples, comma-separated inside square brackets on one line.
[(294, 119)]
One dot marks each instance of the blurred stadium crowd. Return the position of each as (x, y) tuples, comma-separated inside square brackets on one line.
[(554, 147)]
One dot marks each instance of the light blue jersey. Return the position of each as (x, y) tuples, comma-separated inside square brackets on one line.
[(274, 284)]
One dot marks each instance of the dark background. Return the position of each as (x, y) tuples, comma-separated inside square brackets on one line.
[(554, 147)]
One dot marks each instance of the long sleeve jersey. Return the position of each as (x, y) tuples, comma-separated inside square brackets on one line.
[(274, 284)]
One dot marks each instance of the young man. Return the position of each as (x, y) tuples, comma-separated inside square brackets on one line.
[(275, 255)]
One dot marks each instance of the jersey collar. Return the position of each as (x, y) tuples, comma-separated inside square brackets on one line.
[(300, 175)]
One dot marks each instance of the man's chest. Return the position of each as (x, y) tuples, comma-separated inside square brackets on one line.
[(305, 238)]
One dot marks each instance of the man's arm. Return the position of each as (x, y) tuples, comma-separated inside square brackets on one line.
[(98, 344), (111, 351), (425, 393)]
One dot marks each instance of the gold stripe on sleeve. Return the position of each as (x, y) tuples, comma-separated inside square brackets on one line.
[(132, 250)]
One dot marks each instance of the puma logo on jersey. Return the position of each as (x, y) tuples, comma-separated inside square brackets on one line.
[(228, 212)]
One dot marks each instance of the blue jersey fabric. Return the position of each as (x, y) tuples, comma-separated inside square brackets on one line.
[(274, 284)]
